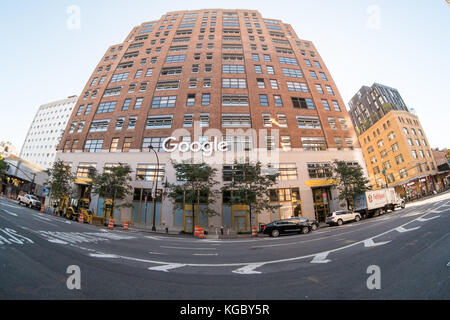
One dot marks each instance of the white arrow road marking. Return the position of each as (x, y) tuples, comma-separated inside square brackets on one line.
[(167, 267), (401, 229), (248, 269), (426, 219), (370, 243), (321, 258), (57, 241), (10, 213)]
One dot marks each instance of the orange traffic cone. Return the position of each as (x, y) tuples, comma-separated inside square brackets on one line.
[(81, 218), (125, 225), (196, 231), (254, 231), (201, 234), (111, 224)]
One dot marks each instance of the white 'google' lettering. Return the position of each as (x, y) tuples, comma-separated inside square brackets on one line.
[(207, 147)]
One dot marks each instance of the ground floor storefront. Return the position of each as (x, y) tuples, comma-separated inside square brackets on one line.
[(423, 186), (304, 189)]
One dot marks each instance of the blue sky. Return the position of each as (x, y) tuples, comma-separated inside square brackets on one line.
[(403, 44)]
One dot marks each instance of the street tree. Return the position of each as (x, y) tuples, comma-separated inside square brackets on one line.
[(350, 180), (196, 186), (60, 181), (113, 184), (250, 187)]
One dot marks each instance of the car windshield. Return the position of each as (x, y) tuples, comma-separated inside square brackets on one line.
[(34, 198)]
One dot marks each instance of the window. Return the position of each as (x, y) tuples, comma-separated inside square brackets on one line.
[(80, 110), (376, 170), (127, 145), (405, 131), (233, 69), (171, 71), (258, 69), (332, 123), (112, 92), (138, 103), (278, 101), (190, 102), (399, 159), (156, 143), (114, 145), (93, 145), (323, 76), (234, 100), (119, 123), (236, 120), (267, 58), (263, 100), (286, 143), (343, 123), (336, 106), (286, 60), (150, 172), (313, 75), (132, 123), (204, 120), (267, 120), (99, 126), (255, 57), (395, 147), (167, 85), (391, 136), (175, 59), (302, 103), (164, 102), (138, 74), (274, 84), (81, 126), (320, 170), (84, 169), (325, 104), (414, 153), (308, 122), (297, 86), (206, 99), (126, 104), (292, 73), (282, 121), (314, 144), (106, 107), (330, 90), (234, 83), (159, 122), (319, 89), (260, 83)]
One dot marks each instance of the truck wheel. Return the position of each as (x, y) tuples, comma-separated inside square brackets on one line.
[(357, 218)]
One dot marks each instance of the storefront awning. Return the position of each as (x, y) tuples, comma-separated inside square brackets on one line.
[(410, 180)]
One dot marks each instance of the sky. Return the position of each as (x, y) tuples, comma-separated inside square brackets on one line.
[(47, 55)]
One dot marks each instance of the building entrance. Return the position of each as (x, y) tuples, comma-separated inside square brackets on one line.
[(322, 197)]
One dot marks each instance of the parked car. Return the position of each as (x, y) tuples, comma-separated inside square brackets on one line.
[(30, 201), (341, 216), (313, 223), (287, 226)]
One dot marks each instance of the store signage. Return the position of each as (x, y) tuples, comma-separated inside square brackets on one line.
[(207, 148)]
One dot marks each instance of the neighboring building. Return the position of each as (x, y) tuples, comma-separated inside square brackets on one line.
[(395, 147), (371, 104), (22, 177), (206, 73), (442, 158), (7, 149), (46, 130)]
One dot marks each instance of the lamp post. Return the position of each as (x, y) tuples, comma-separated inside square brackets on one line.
[(156, 188)]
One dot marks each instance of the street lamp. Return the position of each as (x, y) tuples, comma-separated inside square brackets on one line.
[(156, 188)]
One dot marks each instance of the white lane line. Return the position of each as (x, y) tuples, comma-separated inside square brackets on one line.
[(206, 254), (10, 213), (103, 255), (402, 230), (167, 267), (184, 248), (248, 269), (321, 258), (43, 218), (370, 243), (158, 253)]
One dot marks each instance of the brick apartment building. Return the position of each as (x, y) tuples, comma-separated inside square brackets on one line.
[(204, 73)]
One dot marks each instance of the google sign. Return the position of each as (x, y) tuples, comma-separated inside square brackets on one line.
[(207, 147)]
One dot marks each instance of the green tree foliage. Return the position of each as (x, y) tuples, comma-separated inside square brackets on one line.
[(196, 185), (113, 184), (60, 180), (350, 180), (250, 187)]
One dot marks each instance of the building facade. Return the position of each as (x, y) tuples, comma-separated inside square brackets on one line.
[(46, 131), (213, 75), (372, 103), (394, 144)]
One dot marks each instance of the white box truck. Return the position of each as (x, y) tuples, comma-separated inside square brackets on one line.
[(377, 202)]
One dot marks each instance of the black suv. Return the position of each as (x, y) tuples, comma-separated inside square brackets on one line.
[(287, 226)]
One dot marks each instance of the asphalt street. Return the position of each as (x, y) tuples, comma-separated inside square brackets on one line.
[(410, 248)]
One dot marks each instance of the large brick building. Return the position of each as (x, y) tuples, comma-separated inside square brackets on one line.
[(205, 73)]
